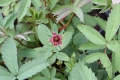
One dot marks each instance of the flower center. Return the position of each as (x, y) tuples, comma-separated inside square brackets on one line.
[(56, 39)]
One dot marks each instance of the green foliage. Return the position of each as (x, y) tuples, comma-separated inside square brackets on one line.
[(32, 67), (92, 34), (10, 55), (59, 40), (24, 4), (80, 72), (113, 23)]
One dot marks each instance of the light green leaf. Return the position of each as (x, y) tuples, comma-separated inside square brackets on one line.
[(113, 63), (93, 35), (9, 55), (1, 20), (89, 20), (113, 45), (87, 8), (53, 3), (113, 22), (31, 68), (117, 77), (44, 34), (5, 2), (53, 72), (91, 46), (46, 73), (10, 21), (106, 64), (117, 60), (92, 57), (23, 8), (26, 52), (100, 22), (66, 39), (80, 72), (79, 39), (79, 13), (52, 59), (100, 2), (36, 3), (62, 56), (5, 75)]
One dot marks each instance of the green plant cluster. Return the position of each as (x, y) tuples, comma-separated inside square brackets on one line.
[(57, 40)]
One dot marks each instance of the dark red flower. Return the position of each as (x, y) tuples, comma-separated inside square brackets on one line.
[(56, 39)]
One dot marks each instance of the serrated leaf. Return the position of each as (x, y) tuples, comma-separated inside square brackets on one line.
[(62, 56), (5, 75), (113, 63), (100, 22), (117, 77), (66, 39), (53, 72), (4, 2), (79, 13), (87, 8), (46, 73), (106, 64), (31, 68), (44, 34), (53, 3), (117, 60), (80, 72), (91, 46), (113, 45), (92, 57), (23, 8), (30, 53), (9, 55), (10, 21), (36, 3), (89, 20), (113, 22), (100, 2), (92, 34), (1, 20)]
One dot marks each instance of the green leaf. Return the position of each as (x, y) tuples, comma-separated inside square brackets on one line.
[(79, 39), (5, 75), (62, 56), (9, 55), (26, 52), (100, 2), (46, 73), (91, 46), (117, 77), (66, 39), (1, 20), (113, 63), (92, 57), (87, 8), (92, 34), (89, 20), (5, 2), (113, 45), (100, 22), (53, 3), (10, 21), (79, 13), (53, 72), (44, 34), (23, 8), (113, 22), (80, 72), (31, 68), (117, 60), (106, 64), (36, 3)]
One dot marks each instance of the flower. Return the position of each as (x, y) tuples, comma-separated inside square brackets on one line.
[(56, 39)]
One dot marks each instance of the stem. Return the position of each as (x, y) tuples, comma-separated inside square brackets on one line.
[(23, 44), (105, 50)]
